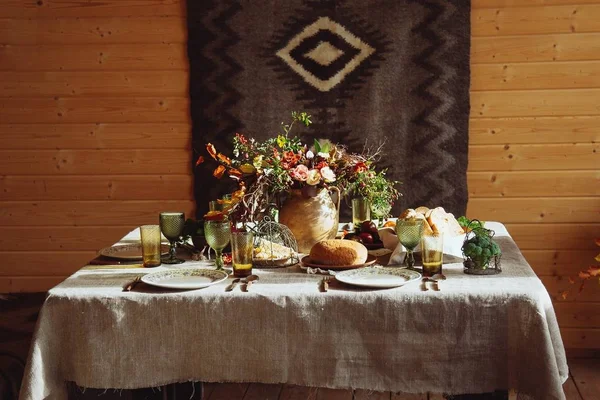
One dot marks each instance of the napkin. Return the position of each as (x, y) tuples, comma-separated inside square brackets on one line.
[(389, 238)]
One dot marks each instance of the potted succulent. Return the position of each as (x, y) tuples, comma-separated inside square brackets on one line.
[(481, 253)]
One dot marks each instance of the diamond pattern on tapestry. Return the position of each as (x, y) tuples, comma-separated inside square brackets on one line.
[(324, 53)]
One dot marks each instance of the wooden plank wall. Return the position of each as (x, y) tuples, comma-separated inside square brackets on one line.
[(95, 134)]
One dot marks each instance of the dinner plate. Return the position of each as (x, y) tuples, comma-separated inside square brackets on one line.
[(129, 251), (378, 277), (308, 263), (190, 278)]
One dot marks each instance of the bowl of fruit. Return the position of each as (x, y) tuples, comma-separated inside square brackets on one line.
[(367, 234)]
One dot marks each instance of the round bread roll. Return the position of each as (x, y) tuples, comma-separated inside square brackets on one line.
[(338, 252)]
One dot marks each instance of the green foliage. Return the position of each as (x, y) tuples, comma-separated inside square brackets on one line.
[(465, 223), (380, 191)]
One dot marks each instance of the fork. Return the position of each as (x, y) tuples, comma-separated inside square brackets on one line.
[(128, 287), (324, 283)]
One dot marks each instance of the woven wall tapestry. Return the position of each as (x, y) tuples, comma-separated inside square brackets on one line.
[(393, 71)]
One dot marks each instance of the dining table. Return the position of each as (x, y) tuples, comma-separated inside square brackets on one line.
[(472, 334)]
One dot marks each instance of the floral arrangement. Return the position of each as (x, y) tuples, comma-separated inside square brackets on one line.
[(267, 170)]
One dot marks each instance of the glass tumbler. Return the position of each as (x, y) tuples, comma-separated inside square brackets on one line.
[(242, 248), (361, 211), (432, 253), (150, 235)]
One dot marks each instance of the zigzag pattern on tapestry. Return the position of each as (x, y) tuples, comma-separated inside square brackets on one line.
[(435, 130)]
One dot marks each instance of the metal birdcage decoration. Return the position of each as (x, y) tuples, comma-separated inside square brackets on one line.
[(274, 245), (481, 254)]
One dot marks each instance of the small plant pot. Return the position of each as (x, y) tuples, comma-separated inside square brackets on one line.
[(474, 268)]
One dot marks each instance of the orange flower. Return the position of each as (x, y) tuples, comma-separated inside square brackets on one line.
[(199, 161), (360, 167), (321, 164), (219, 171), (234, 173), (224, 158), (214, 216), (594, 270), (211, 150), (291, 158), (584, 275)]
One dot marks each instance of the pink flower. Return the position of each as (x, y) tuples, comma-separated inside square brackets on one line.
[(300, 173)]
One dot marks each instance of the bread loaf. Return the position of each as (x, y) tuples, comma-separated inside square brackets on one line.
[(443, 222), (413, 215), (338, 252)]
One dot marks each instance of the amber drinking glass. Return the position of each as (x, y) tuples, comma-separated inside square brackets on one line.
[(409, 233), (432, 251), (171, 225), (361, 211), (217, 234), (150, 235), (242, 248)]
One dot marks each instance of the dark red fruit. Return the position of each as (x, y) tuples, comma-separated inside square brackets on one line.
[(376, 238), (368, 226), (366, 237)]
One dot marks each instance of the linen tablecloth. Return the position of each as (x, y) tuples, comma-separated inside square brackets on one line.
[(478, 334)]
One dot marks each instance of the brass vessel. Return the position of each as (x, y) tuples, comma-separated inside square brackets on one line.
[(311, 219)]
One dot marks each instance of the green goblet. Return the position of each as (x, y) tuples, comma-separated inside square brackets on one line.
[(217, 235), (409, 233), (171, 225)]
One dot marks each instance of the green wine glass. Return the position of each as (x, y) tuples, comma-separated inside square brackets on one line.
[(409, 233), (171, 225), (217, 235)]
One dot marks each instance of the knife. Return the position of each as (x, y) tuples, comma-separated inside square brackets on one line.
[(232, 285)]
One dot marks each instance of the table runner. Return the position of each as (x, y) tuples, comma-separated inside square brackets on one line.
[(476, 335)]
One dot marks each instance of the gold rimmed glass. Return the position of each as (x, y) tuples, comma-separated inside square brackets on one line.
[(217, 234), (171, 226), (409, 233)]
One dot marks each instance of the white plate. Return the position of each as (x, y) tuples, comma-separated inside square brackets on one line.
[(378, 277), (184, 278), (131, 251)]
